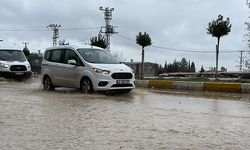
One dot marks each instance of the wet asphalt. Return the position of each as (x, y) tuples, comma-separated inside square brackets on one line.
[(31, 118)]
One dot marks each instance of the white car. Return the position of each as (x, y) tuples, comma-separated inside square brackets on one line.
[(13, 62), (85, 67)]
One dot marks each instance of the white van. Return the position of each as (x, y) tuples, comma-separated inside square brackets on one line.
[(13, 62), (85, 67)]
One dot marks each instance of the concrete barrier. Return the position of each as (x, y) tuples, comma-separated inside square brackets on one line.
[(195, 86), (185, 85), (161, 84), (141, 83), (222, 87), (180, 85), (245, 88)]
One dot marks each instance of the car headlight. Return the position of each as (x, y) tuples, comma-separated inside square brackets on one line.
[(4, 66), (132, 71), (28, 66), (96, 70)]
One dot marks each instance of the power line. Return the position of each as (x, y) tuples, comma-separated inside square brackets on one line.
[(191, 51), (23, 29), (182, 50), (126, 38), (188, 50), (81, 28), (17, 30)]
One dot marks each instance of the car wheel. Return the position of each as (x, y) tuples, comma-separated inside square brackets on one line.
[(86, 86), (47, 84)]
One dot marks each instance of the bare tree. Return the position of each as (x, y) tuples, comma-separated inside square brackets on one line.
[(98, 41), (119, 56)]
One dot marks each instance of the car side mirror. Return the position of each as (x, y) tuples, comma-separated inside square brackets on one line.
[(72, 62)]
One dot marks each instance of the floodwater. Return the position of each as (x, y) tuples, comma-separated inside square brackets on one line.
[(31, 118)]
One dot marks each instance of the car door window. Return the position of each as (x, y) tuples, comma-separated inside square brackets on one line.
[(47, 55), (69, 54), (56, 55)]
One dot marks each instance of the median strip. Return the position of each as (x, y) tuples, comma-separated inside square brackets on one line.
[(195, 86), (162, 84), (222, 87)]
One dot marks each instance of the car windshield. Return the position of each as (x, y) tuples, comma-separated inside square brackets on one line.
[(11, 55), (97, 56)]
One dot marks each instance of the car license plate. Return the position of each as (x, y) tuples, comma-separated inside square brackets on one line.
[(122, 82), (19, 73)]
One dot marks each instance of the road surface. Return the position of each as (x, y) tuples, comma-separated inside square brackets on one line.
[(31, 118)]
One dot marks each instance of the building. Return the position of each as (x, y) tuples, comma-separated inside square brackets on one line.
[(150, 69)]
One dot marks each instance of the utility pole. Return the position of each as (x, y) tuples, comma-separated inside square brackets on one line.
[(241, 59), (217, 57), (25, 49), (25, 44), (108, 30), (55, 28)]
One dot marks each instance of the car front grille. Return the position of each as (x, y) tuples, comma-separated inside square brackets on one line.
[(18, 68), (122, 76)]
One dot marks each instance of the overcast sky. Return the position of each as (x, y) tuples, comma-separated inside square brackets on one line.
[(174, 24)]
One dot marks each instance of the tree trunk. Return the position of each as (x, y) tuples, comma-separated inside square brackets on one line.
[(217, 58), (142, 64)]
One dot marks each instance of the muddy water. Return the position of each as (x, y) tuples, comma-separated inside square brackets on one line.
[(31, 118)]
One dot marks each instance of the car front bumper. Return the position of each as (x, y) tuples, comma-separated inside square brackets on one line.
[(12, 74)]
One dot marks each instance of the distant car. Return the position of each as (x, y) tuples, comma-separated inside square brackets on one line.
[(13, 62), (85, 67)]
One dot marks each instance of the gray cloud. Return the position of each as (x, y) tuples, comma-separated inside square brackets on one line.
[(177, 24)]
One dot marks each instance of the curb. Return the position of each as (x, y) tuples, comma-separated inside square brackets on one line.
[(182, 85), (245, 88), (195, 86), (222, 87), (165, 84), (141, 83)]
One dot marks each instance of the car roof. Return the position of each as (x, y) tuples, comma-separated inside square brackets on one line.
[(73, 46), (4, 45)]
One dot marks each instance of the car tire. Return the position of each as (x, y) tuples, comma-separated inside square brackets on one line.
[(86, 86), (47, 84)]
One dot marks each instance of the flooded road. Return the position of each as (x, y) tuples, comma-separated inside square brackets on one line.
[(31, 118)]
